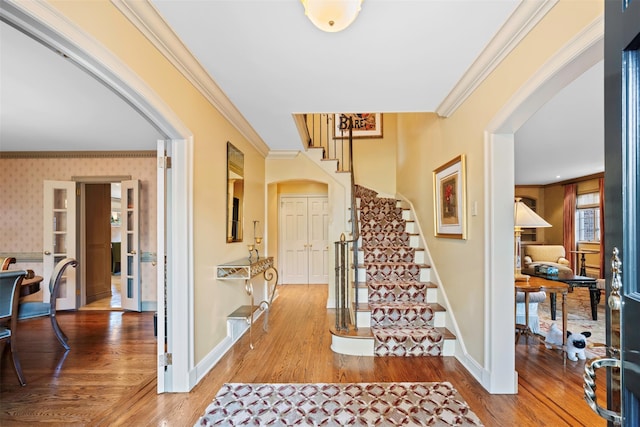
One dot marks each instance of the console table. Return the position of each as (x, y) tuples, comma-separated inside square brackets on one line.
[(246, 269)]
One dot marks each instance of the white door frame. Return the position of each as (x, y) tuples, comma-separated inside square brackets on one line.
[(45, 23), (580, 54)]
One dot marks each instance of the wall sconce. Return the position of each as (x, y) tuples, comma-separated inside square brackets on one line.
[(332, 15)]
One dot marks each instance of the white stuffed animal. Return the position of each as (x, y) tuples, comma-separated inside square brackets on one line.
[(576, 343)]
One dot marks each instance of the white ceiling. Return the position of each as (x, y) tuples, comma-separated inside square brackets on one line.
[(271, 62), (47, 103)]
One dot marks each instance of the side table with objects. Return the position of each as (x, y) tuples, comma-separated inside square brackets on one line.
[(536, 284), (573, 281)]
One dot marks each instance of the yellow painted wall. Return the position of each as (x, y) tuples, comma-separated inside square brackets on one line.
[(375, 159), (213, 299), (302, 187), (554, 214), (426, 141)]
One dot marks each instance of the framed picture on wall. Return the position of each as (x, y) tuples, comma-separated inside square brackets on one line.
[(449, 199), (365, 125)]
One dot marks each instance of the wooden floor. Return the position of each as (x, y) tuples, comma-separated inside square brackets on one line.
[(108, 377)]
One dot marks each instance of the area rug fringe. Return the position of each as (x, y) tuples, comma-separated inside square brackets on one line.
[(348, 404)]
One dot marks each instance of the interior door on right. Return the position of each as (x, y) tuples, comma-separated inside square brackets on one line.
[(130, 249), (318, 239), (622, 204)]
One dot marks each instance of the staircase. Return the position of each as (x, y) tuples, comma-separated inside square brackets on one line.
[(397, 314)]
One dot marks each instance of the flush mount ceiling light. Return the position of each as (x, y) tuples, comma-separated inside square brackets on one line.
[(331, 15)]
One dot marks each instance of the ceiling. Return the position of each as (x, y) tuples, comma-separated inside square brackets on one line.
[(398, 56)]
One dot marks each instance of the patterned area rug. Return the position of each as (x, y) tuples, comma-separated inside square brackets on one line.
[(355, 404), (578, 319)]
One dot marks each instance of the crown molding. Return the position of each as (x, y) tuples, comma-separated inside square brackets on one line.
[(575, 57), (520, 23), (146, 18), (283, 154)]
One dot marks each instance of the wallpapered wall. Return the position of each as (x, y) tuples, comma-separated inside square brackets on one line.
[(21, 195)]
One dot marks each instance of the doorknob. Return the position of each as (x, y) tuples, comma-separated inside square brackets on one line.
[(132, 252), (47, 253), (616, 282), (590, 387), (607, 362)]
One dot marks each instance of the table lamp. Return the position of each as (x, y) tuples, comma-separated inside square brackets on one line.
[(524, 217)]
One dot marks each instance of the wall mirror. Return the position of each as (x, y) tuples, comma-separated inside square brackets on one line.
[(235, 193)]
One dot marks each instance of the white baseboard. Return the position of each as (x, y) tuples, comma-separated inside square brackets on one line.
[(236, 328)]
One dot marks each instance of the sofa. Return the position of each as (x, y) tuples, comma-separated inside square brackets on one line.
[(553, 255)]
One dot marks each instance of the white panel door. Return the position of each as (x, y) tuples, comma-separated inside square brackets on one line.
[(130, 255), (293, 220), (59, 239), (318, 246), (304, 239)]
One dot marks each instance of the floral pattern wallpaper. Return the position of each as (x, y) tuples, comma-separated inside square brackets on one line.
[(21, 195)]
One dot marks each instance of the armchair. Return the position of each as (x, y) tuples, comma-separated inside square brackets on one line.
[(32, 309)]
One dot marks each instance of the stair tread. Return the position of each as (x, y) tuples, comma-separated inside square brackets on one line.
[(421, 265), (366, 333), (364, 306), (390, 247)]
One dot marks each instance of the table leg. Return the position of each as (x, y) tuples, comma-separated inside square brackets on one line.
[(564, 326), (583, 269), (552, 299), (248, 286), (594, 297)]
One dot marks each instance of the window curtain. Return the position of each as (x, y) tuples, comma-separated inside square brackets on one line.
[(569, 223), (601, 185)]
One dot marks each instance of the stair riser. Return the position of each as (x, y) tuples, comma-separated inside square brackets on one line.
[(363, 295), (364, 346), (364, 319), (418, 257), (425, 274)]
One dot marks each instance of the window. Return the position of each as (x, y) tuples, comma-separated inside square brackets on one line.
[(588, 217)]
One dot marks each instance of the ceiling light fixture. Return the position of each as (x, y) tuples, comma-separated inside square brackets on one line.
[(331, 15)]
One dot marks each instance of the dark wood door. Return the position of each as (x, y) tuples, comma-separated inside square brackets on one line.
[(622, 228), (98, 241)]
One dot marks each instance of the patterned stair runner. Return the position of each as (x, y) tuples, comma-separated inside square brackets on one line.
[(402, 322)]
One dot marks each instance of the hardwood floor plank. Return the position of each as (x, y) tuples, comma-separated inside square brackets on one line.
[(108, 378)]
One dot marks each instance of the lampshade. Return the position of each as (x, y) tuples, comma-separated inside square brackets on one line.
[(524, 217), (331, 15)]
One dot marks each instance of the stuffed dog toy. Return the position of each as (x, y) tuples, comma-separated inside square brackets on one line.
[(576, 343)]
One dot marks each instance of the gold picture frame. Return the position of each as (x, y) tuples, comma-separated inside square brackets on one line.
[(365, 125), (449, 199)]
